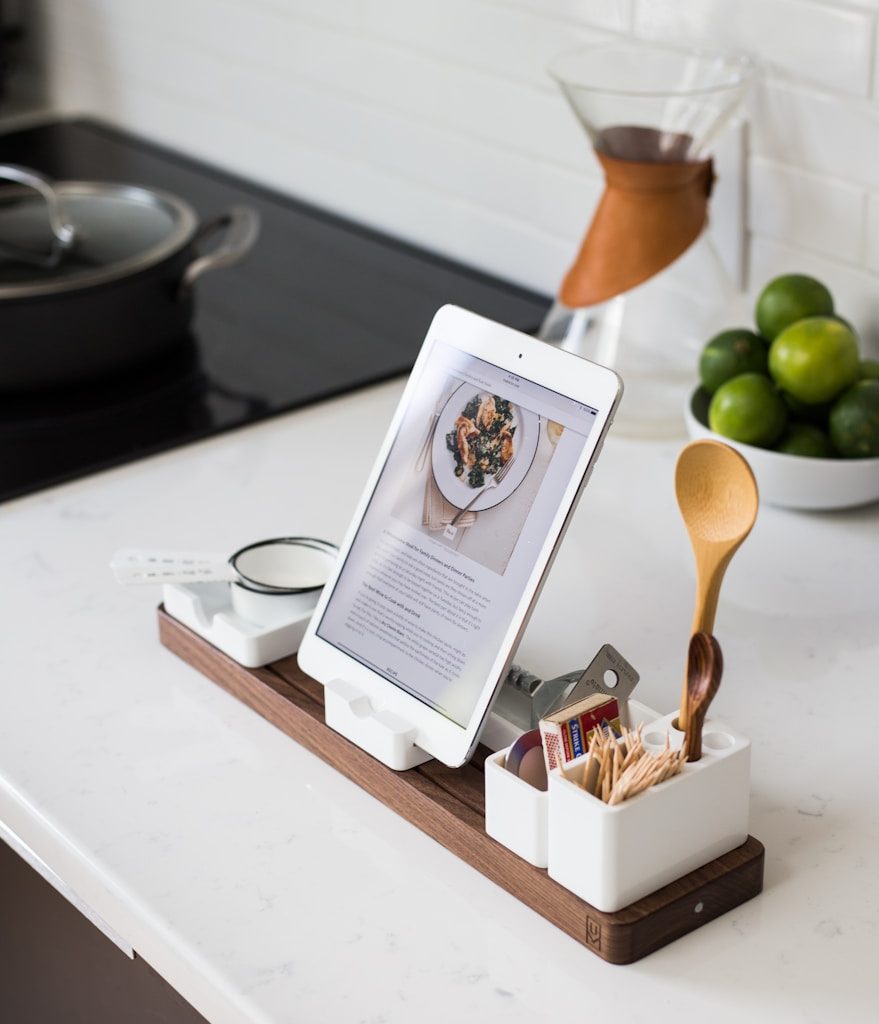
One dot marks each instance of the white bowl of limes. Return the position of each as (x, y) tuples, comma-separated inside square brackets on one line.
[(795, 481), (796, 398)]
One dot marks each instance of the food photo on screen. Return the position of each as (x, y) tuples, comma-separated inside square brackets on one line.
[(478, 471)]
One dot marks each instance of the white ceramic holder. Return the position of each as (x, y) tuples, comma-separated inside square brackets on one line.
[(612, 856), (516, 813), (207, 610), (386, 736)]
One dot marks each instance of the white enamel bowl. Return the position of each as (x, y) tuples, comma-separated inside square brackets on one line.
[(794, 481), (281, 579)]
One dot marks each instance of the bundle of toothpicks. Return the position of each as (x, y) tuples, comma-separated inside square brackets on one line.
[(616, 769)]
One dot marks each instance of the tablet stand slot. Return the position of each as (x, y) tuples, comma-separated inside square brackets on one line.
[(383, 734)]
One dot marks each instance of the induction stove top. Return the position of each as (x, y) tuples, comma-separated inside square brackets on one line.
[(321, 306)]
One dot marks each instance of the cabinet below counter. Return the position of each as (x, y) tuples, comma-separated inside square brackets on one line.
[(58, 962)]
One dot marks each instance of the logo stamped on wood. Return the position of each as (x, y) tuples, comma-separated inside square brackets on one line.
[(593, 932)]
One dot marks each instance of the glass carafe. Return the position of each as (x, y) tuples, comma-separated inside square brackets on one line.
[(647, 288)]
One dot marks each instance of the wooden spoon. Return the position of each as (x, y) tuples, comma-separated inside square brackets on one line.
[(717, 496), (704, 669)]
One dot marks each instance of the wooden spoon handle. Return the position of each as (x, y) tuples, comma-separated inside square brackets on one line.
[(693, 736), (704, 672), (708, 594), (708, 584)]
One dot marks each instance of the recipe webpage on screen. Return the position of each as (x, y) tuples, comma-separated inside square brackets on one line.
[(454, 528)]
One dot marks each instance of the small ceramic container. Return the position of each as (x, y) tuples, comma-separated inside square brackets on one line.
[(280, 579), (611, 856)]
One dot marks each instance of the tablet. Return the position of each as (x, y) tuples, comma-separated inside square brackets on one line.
[(474, 485)]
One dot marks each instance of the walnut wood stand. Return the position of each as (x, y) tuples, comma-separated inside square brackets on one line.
[(449, 805)]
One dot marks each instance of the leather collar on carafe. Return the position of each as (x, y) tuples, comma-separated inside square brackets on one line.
[(649, 214)]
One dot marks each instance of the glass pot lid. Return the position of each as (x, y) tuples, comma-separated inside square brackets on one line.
[(117, 230)]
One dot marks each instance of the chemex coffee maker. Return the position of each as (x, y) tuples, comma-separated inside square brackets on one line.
[(647, 288)]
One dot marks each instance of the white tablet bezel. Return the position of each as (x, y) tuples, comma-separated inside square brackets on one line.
[(575, 378)]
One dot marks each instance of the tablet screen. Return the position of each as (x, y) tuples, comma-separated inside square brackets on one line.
[(472, 483)]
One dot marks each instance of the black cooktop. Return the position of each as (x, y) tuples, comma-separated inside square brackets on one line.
[(321, 306)]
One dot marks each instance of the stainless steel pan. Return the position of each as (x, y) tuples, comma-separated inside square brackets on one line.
[(98, 277)]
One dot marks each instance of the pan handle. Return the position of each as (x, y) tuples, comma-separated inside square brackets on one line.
[(62, 229), (241, 224)]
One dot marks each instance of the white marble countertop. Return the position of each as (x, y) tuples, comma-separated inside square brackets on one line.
[(267, 888)]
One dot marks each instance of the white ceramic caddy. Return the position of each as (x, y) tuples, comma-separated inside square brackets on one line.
[(207, 609), (254, 606), (612, 856), (388, 737)]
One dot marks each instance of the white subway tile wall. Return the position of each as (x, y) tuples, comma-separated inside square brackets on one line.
[(812, 210), (435, 119)]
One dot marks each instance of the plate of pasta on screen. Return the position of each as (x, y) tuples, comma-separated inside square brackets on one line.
[(483, 447)]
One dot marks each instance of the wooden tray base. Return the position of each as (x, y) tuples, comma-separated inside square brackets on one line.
[(449, 805)]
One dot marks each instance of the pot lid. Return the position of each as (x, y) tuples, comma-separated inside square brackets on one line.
[(117, 230)]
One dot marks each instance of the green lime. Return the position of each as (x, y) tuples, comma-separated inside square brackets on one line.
[(730, 353), (787, 299), (869, 369), (815, 359), (748, 409), (844, 322), (854, 421), (806, 439)]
